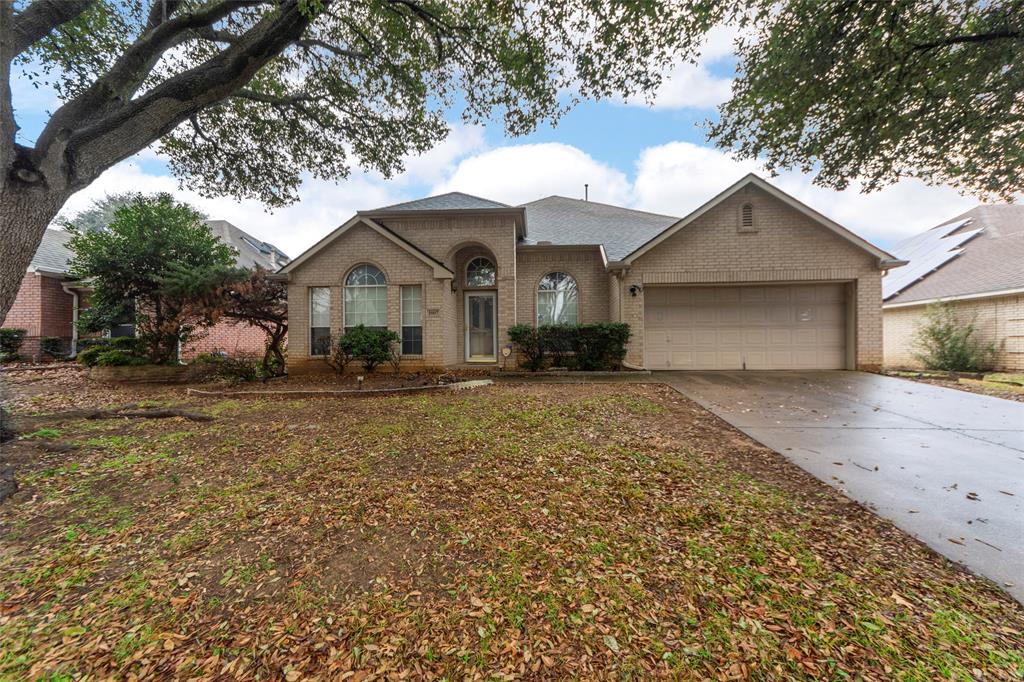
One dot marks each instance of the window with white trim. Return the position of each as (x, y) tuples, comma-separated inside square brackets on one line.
[(480, 272), (319, 320), (412, 319), (366, 297), (557, 299)]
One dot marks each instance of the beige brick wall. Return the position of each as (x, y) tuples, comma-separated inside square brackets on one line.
[(584, 264), (786, 247), (998, 321), (329, 267)]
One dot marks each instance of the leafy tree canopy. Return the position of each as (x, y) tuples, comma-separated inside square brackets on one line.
[(147, 241), (877, 91)]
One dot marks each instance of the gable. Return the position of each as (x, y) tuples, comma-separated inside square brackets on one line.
[(752, 183), (360, 224), (777, 237)]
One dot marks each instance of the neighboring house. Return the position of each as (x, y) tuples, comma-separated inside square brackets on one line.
[(48, 299), (975, 263), (752, 279)]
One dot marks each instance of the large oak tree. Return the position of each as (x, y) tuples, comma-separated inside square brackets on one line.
[(244, 96)]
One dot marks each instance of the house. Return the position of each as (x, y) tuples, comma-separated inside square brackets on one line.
[(752, 279), (975, 263), (48, 300)]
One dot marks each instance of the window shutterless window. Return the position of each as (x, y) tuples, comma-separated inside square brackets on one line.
[(412, 320), (557, 299), (319, 320), (366, 298)]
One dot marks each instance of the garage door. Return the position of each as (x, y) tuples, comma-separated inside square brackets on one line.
[(763, 327)]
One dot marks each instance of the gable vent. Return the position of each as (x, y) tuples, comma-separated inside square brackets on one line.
[(747, 218)]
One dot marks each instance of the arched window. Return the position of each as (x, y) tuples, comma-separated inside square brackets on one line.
[(366, 297), (480, 272), (557, 299)]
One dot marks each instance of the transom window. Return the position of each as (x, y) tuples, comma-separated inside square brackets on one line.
[(481, 273), (366, 297), (557, 299)]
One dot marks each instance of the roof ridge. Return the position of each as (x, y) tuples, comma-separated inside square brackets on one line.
[(602, 203)]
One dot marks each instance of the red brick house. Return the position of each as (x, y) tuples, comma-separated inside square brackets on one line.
[(48, 300)]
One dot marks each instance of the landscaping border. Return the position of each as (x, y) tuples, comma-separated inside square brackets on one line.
[(344, 393)]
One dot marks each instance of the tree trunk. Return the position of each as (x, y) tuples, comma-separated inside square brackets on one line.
[(25, 211)]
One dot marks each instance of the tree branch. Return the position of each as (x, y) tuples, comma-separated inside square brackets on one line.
[(966, 39), (39, 18), (309, 43)]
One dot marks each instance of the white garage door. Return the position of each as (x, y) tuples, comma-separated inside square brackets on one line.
[(762, 327)]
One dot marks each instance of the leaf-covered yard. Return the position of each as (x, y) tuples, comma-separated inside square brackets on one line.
[(540, 531)]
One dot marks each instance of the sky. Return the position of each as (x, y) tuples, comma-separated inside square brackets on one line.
[(648, 156)]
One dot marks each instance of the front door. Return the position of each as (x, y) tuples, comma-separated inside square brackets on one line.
[(481, 324)]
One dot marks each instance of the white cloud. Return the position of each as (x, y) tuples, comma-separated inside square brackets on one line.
[(521, 173), (687, 85)]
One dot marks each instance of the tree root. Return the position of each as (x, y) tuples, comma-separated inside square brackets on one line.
[(164, 413)]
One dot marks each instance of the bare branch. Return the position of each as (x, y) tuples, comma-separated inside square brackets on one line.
[(37, 20), (967, 39), (309, 43)]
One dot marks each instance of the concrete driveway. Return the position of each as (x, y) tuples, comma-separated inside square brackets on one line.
[(944, 465)]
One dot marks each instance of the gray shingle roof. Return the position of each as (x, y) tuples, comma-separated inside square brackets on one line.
[(251, 250), (53, 254), (443, 202), (561, 220), (991, 261)]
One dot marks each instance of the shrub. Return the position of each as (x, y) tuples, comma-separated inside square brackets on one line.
[(527, 340), (127, 346), (10, 343), (338, 356), (112, 357), (949, 345), (369, 345), (588, 347), (53, 346)]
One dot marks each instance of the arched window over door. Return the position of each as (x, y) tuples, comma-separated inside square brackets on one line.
[(480, 272)]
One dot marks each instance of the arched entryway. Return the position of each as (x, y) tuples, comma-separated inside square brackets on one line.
[(476, 283)]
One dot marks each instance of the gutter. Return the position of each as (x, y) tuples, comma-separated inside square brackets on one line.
[(958, 297)]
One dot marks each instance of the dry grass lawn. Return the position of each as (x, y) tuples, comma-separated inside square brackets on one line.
[(534, 531)]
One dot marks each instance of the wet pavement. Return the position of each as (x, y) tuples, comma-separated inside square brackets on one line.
[(944, 465)]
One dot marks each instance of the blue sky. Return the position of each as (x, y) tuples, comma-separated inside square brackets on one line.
[(653, 157)]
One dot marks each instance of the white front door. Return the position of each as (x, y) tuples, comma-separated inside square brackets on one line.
[(481, 326)]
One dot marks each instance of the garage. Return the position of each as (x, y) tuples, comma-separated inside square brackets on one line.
[(793, 326)]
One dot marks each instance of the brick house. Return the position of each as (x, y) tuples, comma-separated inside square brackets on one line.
[(48, 300), (752, 279), (974, 263)]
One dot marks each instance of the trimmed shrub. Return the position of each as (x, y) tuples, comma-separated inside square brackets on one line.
[(527, 340), (585, 347), (53, 346), (113, 357), (10, 343), (949, 345), (369, 345), (91, 349)]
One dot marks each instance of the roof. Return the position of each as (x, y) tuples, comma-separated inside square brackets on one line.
[(53, 254), (252, 251), (988, 262), (563, 221), (452, 201)]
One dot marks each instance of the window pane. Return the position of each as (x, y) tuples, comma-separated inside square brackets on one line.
[(480, 273), (320, 340), (557, 299), (412, 320), (366, 305), (412, 340), (319, 307)]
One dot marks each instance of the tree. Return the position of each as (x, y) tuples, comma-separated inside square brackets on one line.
[(240, 295), (99, 214), (243, 96), (129, 261), (868, 91)]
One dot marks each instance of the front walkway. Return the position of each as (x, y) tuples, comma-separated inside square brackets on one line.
[(944, 465)]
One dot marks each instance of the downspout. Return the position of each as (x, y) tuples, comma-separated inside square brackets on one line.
[(74, 319)]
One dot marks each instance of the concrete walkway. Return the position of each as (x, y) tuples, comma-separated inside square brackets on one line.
[(944, 465)]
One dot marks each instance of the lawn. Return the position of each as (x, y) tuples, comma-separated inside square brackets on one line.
[(538, 531)]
